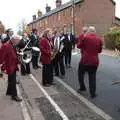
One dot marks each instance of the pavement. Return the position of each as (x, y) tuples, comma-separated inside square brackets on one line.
[(54, 103), (9, 110)]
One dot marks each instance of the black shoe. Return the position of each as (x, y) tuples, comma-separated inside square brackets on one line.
[(52, 83), (8, 94), (16, 98), (38, 66), (23, 74), (17, 82), (93, 96), (81, 90), (28, 73), (62, 76), (46, 85), (57, 75), (35, 68)]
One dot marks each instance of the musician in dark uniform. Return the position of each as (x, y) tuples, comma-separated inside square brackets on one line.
[(25, 67), (69, 44), (9, 33), (9, 63), (35, 43), (7, 36)]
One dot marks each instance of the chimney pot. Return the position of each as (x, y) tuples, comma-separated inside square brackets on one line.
[(34, 17), (48, 8), (39, 13)]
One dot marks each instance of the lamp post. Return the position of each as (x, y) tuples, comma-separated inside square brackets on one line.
[(73, 17)]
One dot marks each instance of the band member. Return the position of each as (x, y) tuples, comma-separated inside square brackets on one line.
[(70, 41), (25, 67), (2, 29), (7, 36), (46, 54), (9, 33), (35, 43), (91, 45), (3, 38), (9, 62), (61, 52), (56, 43)]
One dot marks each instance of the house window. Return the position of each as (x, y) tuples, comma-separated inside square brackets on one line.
[(64, 13), (46, 21), (59, 16), (71, 12)]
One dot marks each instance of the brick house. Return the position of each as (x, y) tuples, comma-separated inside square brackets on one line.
[(100, 13)]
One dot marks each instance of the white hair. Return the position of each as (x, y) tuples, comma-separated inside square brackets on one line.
[(84, 29), (91, 29), (3, 36), (16, 37)]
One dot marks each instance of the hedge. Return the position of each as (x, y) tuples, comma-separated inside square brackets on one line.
[(112, 40)]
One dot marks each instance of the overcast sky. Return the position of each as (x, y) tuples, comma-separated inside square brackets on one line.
[(13, 11)]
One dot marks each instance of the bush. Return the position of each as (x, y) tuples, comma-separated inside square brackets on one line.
[(112, 40)]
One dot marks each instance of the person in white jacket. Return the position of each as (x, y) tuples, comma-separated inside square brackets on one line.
[(58, 46)]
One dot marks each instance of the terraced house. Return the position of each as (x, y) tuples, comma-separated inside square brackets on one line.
[(75, 14)]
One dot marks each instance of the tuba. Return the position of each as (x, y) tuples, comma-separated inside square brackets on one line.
[(25, 54)]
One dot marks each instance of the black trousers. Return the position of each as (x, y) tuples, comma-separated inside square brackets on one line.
[(47, 74), (68, 54), (25, 69), (92, 77), (58, 64), (35, 61), (11, 89)]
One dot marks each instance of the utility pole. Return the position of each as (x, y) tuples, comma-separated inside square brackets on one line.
[(73, 17)]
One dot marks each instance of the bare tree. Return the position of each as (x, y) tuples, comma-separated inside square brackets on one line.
[(23, 27)]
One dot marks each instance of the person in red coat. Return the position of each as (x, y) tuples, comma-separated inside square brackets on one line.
[(45, 46), (91, 46), (9, 62)]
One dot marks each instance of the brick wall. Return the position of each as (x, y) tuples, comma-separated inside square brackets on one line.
[(100, 13)]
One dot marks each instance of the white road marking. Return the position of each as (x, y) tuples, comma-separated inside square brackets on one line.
[(57, 108), (74, 53), (85, 101), (25, 113)]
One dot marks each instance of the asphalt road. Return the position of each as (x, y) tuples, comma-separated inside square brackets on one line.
[(108, 97)]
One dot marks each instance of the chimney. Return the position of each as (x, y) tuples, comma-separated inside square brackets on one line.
[(58, 3), (39, 13), (48, 8), (34, 17)]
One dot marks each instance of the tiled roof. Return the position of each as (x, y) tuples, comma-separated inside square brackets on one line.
[(117, 18), (113, 2), (68, 4)]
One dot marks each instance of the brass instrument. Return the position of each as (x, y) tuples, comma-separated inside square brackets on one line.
[(25, 54)]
